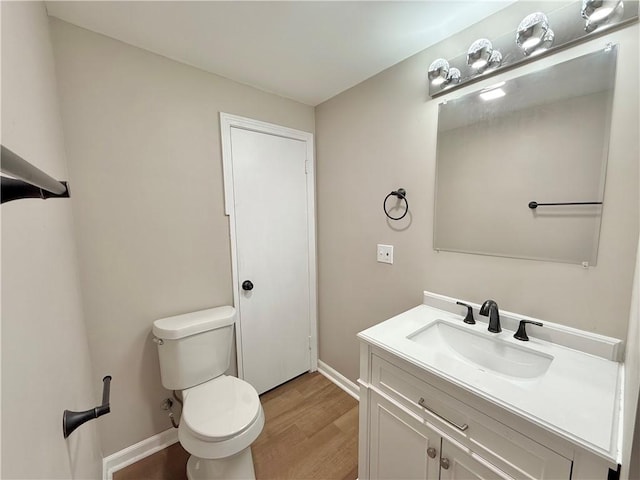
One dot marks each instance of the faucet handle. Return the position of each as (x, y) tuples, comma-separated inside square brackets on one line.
[(521, 334), (469, 318)]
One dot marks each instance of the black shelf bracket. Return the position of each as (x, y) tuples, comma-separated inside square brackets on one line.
[(13, 189)]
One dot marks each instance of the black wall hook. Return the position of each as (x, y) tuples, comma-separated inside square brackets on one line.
[(401, 194)]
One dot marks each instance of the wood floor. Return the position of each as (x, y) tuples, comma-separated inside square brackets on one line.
[(310, 432)]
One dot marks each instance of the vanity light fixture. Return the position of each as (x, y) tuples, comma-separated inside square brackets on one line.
[(601, 12), (495, 60), (534, 35), (440, 73), (482, 56)]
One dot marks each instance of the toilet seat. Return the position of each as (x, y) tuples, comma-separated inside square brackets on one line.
[(220, 418), (220, 408)]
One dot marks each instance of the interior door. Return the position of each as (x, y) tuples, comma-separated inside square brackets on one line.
[(272, 249)]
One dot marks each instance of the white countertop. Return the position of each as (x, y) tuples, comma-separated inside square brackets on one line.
[(578, 397)]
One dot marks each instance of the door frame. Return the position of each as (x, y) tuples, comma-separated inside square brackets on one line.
[(227, 122)]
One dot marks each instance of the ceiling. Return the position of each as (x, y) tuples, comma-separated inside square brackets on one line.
[(304, 50)]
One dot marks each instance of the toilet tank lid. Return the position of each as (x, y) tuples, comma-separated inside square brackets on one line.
[(179, 326)]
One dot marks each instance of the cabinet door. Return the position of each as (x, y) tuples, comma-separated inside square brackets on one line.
[(400, 446), (459, 463), (511, 451)]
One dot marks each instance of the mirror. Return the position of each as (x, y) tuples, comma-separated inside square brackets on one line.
[(541, 137)]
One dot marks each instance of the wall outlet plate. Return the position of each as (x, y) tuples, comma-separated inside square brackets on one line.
[(385, 253)]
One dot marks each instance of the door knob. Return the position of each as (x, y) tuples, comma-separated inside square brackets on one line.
[(444, 463), (431, 452), (247, 285)]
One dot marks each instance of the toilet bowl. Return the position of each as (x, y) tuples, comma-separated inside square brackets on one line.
[(220, 420), (221, 415)]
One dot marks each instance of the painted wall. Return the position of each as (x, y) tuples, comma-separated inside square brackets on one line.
[(143, 142), (45, 355), (381, 135), (631, 407)]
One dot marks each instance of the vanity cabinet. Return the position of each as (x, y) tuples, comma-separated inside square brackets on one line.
[(460, 463), (405, 447), (411, 429), (401, 445), (440, 399)]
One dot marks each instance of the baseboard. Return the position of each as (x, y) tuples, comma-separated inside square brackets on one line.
[(340, 380), (136, 452)]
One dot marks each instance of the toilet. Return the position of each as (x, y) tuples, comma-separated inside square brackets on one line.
[(221, 414)]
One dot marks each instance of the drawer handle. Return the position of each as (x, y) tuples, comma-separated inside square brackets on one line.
[(462, 427), (431, 452), (444, 463)]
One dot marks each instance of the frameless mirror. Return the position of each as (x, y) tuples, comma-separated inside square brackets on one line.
[(541, 137)]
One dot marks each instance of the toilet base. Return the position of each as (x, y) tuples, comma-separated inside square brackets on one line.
[(236, 467)]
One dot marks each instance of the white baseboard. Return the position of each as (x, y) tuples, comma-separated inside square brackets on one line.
[(340, 380), (140, 450)]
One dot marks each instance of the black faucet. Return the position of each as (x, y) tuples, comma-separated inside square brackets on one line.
[(490, 308)]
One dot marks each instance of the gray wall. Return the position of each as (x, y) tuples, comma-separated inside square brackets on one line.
[(142, 134), (381, 135), (45, 356), (630, 431)]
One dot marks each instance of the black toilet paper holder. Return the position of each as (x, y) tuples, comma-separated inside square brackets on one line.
[(72, 420)]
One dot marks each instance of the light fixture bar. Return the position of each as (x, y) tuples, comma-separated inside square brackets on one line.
[(568, 30)]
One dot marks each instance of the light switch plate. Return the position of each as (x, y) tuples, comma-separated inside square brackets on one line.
[(385, 253)]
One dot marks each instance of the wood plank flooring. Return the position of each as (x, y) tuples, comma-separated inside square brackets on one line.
[(310, 432)]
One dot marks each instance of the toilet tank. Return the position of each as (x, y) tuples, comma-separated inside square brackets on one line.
[(194, 347)]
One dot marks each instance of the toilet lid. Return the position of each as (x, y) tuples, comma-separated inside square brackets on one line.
[(220, 408)]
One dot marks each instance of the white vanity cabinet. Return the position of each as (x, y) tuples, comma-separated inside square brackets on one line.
[(405, 447), (401, 446), (440, 399), (411, 429), (460, 463)]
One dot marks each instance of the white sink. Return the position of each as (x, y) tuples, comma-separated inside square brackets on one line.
[(482, 349)]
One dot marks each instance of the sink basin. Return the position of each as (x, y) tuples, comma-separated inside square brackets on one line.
[(482, 350)]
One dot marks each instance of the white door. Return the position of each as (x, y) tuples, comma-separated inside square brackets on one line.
[(274, 254)]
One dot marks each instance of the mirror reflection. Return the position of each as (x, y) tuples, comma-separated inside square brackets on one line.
[(542, 137)]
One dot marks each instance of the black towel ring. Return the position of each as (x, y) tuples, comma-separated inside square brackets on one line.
[(401, 193)]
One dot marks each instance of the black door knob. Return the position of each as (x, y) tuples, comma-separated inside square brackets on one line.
[(247, 285)]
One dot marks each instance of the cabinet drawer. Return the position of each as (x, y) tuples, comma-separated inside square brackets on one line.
[(510, 451)]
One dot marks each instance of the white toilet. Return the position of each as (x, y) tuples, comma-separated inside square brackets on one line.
[(221, 415)]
